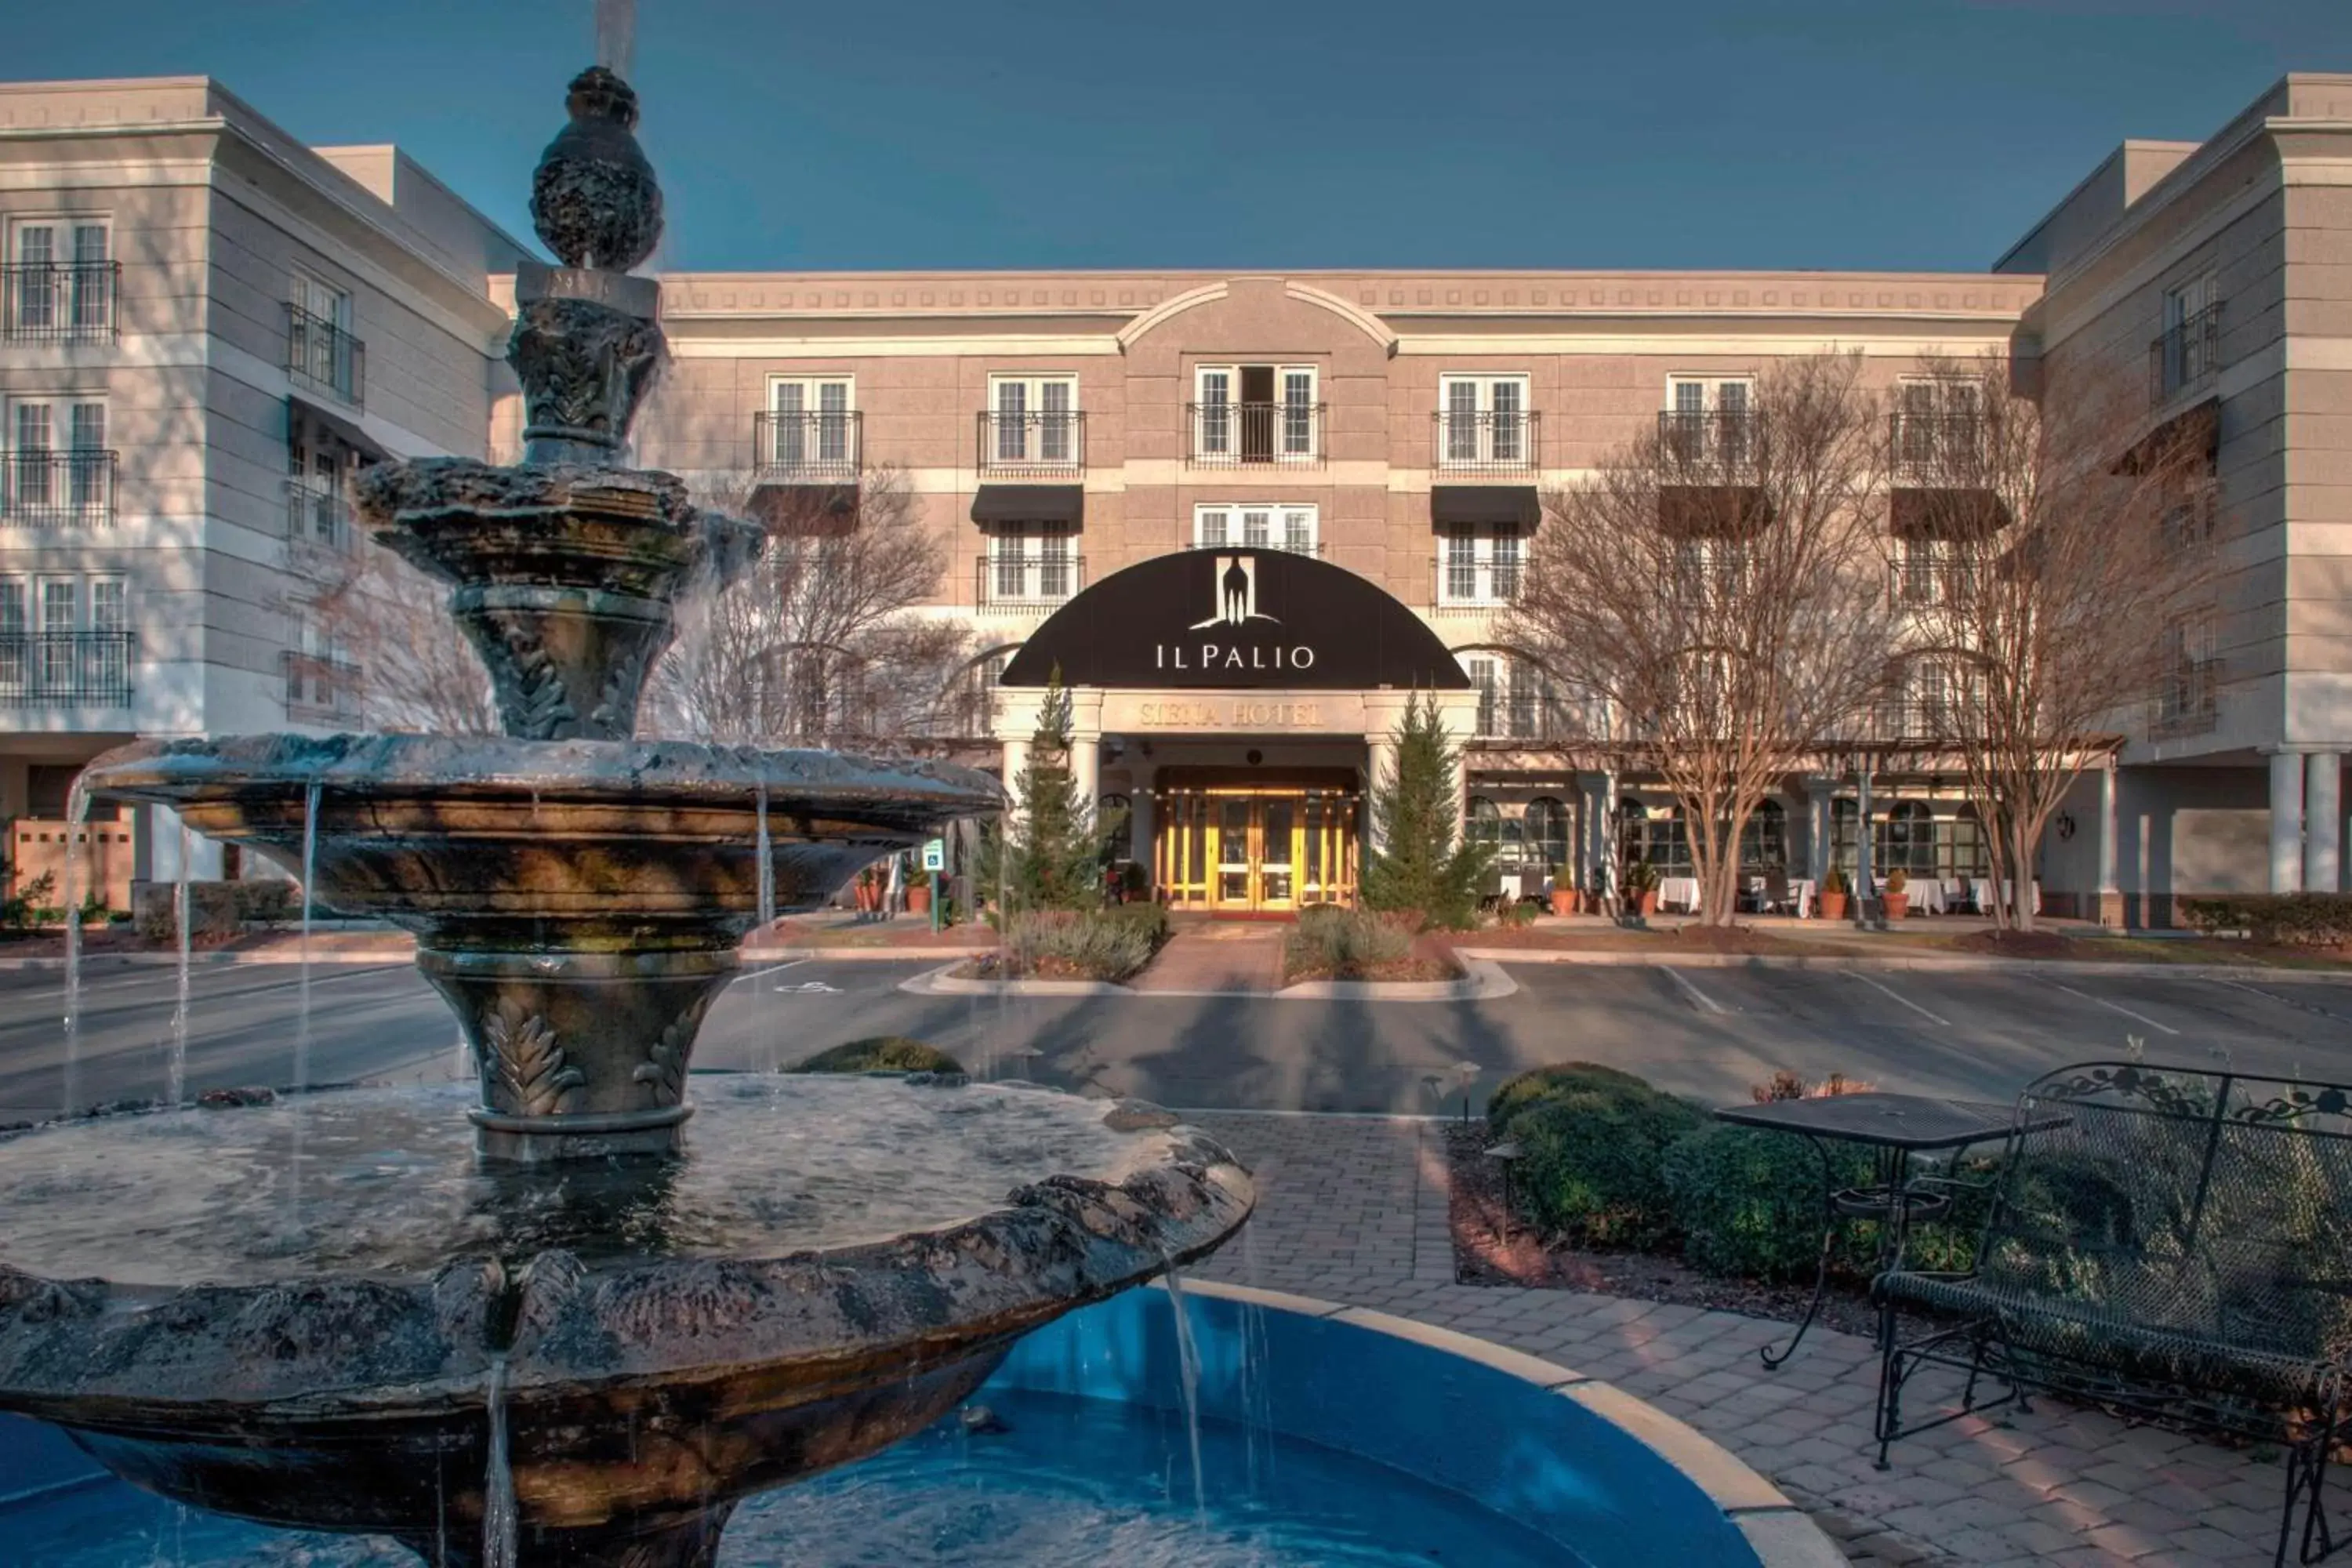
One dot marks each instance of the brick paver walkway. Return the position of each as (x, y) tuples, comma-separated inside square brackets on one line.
[(1218, 956), (1354, 1209)]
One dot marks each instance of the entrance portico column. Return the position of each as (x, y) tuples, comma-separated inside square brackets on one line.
[(2287, 822), (1086, 746), (1140, 846), (2111, 897), (1819, 792), (2323, 814), (1383, 711)]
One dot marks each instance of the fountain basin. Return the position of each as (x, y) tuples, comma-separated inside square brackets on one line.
[(1330, 1437), (578, 903), (308, 1302)]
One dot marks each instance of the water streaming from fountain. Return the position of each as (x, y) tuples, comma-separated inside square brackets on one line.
[(310, 903), (767, 864), (175, 1079), (1188, 1368), (76, 815), (500, 1521)]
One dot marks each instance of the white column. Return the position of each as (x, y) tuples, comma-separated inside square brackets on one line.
[(1379, 770), (204, 854), (2287, 822), (1016, 762), (2107, 888), (1139, 834), (2322, 815), (1085, 767), (1818, 795)]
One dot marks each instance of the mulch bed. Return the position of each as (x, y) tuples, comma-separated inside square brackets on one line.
[(1432, 958), (991, 966), (1491, 1249), (1734, 939)]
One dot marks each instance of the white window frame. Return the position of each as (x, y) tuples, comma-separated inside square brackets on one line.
[(2186, 353), (1710, 388), (31, 662), (1031, 563), (1289, 440), (330, 362), (1480, 565), (1295, 527), (812, 445), (1026, 437), (69, 231), (69, 419), (1488, 440)]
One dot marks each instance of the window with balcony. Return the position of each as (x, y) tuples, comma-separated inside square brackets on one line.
[(2186, 355), (1939, 432), (317, 510), (65, 641), (1516, 700), (1936, 570), (1483, 425), (1479, 568), (60, 281), (1708, 419), (1033, 426), (321, 352), (321, 676), (1258, 526), (1031, 565), (2189, 699), (57, 468), (1244, 413), (810, 431)]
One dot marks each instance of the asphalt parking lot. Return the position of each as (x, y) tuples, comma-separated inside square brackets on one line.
[(1701, 1031)]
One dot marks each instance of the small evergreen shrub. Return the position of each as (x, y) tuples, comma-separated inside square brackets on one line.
[(1590, 1158), (882, 1053), (1539, 1084), (1426, 863), (1339, 944), (1748, 1202)]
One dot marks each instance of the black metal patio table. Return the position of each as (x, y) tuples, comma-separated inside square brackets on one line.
[(1895, 1126)]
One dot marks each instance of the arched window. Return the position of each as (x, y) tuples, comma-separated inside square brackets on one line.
[(1662, 839), (1906, 840), (1547, 832), (1764, 839), (1486, 822)]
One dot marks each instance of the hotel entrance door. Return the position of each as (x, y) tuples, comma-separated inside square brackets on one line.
[(1266, 848)]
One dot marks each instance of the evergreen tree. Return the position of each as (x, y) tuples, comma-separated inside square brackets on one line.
[(1425, 863), (1055, 861)]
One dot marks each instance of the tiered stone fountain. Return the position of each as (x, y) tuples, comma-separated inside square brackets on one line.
[(317, 1312)]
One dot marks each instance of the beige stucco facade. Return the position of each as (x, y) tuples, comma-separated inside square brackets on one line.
[(1399, 414)]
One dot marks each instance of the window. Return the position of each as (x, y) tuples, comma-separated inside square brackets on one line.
[(2187, 698), (1660, 837), (1483, 823), (321, 352), (1256, 414), (1516, 700), (1938, 431), (1479, 565), (1706, 419), (65, 640), (60, 280), (1764, 839), (1904, 840), (316, 510), (812, 427), (57, 466), (1033, 422), (1483, 423), (1257, 525), (2189, 350), (1934, 571), (1030, 563), (1548, 834)]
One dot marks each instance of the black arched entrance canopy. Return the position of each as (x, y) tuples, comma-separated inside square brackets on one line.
[(1237, 618)]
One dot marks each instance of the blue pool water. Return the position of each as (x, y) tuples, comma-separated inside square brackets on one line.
[(1323, 1442)]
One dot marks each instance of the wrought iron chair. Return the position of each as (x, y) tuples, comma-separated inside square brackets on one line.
[(2181, 1248)]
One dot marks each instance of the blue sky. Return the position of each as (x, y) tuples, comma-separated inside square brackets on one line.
[(935, 133)]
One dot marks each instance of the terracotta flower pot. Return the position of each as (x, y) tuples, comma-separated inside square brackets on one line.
[(1563, 901), (918, 899), (1897, 905), (1649, 903), (1832, 906)]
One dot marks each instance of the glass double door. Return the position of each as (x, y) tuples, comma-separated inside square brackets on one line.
[(1251, 851)]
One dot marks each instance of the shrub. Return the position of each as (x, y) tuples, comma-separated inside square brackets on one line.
[(1515, 912), (1748, 1202), (1786, 1085), (1591, 1147), (2310, 920), (16, 910), (1539, 1084), (1091, 944), (1338, 942), (882, 1053)]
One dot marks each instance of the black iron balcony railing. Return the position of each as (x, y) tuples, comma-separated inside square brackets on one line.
[(1047, 443), (1288, 546), (65, 669), (56, 488), (2188, 702), (1469, 442), (1937, 451), (1233, 434), (320, 683), (58, 301), (324, 357), (1949, 579), (317, 515), (823, 448), (1472, 587), (1714, 445), (1004, 581), (2185, 357)]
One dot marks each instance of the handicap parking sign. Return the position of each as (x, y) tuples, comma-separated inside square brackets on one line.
[(935, 855)]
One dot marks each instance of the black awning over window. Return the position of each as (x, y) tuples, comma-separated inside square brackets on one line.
[(1513, 506), (1030, 503), (345, 428)]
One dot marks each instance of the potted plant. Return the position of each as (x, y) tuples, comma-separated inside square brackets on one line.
[(1563, 891), (1833, 895), (918, 895), (1596, 892), (1642, 887), (1896, 895)]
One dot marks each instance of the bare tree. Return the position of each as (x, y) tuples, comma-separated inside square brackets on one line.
[(384, 627), (2054, 556), (823, 643), (1717, 589)]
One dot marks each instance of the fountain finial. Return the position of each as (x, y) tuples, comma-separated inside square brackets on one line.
[(593, 198)]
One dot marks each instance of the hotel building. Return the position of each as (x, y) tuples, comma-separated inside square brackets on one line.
[(1246, 515)]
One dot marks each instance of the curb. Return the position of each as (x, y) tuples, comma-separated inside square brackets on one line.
[(1484, 980), (1948, 963)]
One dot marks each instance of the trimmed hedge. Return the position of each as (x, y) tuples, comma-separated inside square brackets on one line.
[(882, 1053), (1537, 1084), (2292, 920), (1748, 1202), (1591, 1142)]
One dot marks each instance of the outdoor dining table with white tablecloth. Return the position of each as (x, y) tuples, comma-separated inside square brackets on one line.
[(1928, 897), (1678, 893), (1984, 892)]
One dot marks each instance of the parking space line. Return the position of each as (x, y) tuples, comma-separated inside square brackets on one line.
[(2297, 1003), (1895, 995), (2115, 1008), (1700, 999)]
